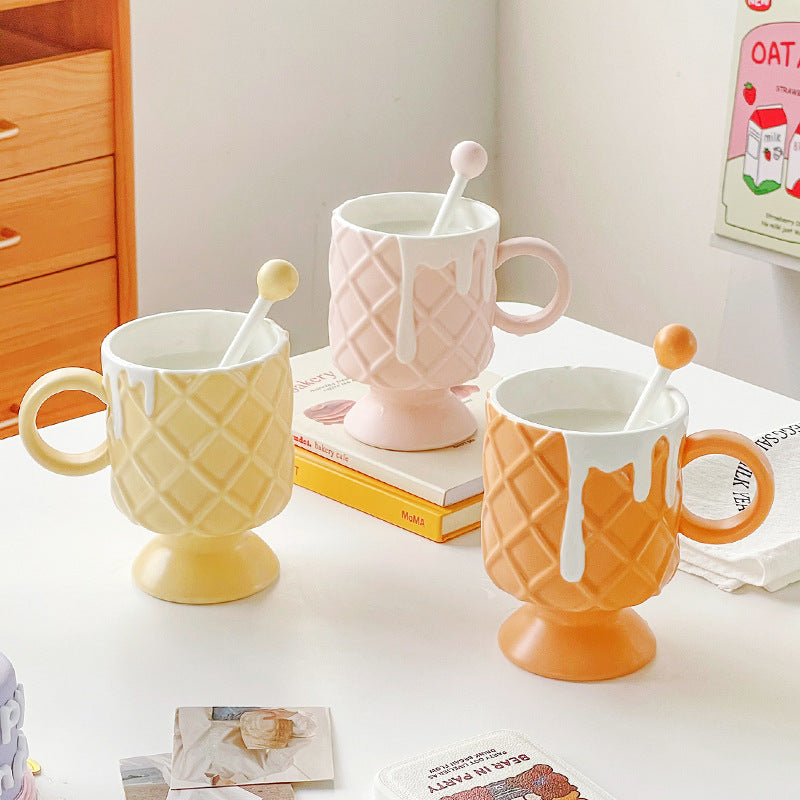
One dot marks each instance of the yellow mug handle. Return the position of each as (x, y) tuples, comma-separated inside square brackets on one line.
[(730, 529), (61, 380)]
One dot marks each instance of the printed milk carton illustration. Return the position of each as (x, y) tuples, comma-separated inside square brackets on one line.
[(766, 144), (793, 165)]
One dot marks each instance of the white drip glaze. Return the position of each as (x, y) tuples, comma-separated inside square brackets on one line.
[(12, 715), (415, 251), (19, 696), (135, 374), (609, 453), (20, 763)]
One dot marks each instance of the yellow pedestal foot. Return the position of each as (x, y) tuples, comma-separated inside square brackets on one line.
[(202, 570)]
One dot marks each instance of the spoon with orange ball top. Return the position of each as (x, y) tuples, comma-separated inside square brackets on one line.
[(675, 347), (277, 280)]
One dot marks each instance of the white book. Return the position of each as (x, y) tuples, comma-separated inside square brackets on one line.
[(322, 396)]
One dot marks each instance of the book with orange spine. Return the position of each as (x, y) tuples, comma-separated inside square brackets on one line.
[(388, 503)]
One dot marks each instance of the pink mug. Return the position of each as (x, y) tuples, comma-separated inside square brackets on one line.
[(411, 315)]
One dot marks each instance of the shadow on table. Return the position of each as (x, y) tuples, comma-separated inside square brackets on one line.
[(789, 594), (469, 540)]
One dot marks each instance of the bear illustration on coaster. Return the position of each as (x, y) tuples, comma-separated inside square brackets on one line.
[(502, 765), (540, 782)]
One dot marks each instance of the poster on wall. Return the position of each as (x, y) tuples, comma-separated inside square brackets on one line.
[(760, 195)]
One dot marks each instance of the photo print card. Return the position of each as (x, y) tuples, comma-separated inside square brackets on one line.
[(148, 777), (243, 745)]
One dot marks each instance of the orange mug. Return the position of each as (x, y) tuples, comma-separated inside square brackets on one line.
[(581, 519)]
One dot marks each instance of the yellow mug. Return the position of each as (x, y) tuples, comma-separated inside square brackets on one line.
[(199, 453)]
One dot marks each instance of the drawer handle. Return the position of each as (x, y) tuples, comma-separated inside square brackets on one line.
[(8, 130), (9, 237)]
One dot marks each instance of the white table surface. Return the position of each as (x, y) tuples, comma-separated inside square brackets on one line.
[(395, 633)]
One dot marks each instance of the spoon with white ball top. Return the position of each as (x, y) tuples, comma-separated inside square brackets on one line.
[(468, 160), (277, 280), (675, 347)]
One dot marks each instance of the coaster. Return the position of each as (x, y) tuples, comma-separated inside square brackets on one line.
[(497, 766)]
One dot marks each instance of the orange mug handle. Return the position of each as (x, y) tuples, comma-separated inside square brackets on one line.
[(730, 529)]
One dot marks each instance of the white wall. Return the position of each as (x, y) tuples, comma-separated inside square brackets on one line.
[(254, 119), (611, 123), (604, 122)]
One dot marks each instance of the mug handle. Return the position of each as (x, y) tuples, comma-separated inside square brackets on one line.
[(61, 380), (538, 248), (730, 529)]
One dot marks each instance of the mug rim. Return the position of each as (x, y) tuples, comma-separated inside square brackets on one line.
[(338, 213), (680, 404), (106, 351)]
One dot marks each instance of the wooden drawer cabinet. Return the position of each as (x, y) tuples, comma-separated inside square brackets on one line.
[(63, 217), (67, 263), (61, 109), (51, 322)]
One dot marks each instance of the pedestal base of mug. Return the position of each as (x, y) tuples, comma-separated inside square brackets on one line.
[(410, 420), (202, 569), (577, 646)]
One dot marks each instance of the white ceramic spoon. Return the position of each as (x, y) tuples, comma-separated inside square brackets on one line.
[(277, 280), (468, 160), (675, 347)]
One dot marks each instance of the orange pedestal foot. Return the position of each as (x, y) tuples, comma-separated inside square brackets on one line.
[(574, 646), (200, 569)]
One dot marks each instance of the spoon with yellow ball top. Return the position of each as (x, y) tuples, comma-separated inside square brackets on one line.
[(277, 280), (675, 347)]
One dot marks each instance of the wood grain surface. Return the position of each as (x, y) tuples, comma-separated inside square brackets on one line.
[(63, 108), (66, 186), (55, 321), (65, 217)]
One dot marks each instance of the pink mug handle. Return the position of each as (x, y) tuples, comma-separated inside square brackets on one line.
[(538, 248)]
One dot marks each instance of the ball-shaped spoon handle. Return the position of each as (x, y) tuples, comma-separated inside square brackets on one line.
[(276, 280), (468, 160), (675, 346)]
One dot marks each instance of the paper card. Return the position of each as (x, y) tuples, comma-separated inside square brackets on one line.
[(241, 745), (759, 202), (503, 765), (147, 778), (274, 791)]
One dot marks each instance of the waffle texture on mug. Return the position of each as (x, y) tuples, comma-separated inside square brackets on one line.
[(631, 548), (366, 278), (215, 457)]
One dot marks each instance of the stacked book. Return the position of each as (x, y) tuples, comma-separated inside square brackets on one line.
[(436, 494)]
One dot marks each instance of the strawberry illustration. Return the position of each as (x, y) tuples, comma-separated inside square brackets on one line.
[(767, 154), (749, 93)]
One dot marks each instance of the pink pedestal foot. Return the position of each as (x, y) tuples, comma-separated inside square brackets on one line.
[(406, 420)]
